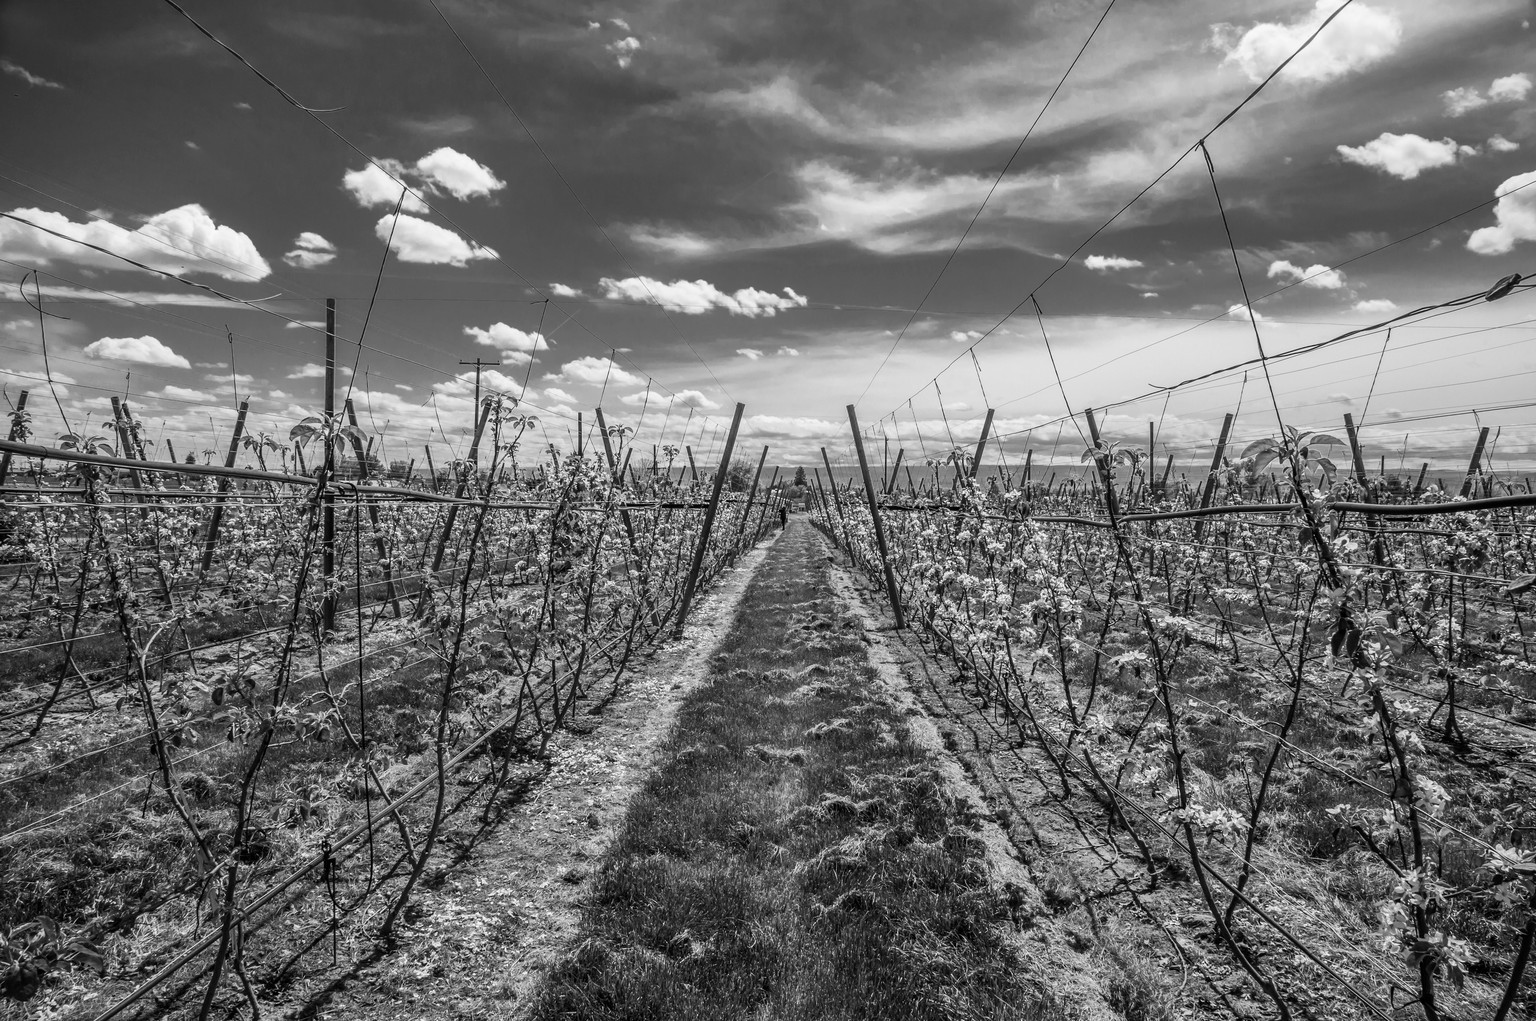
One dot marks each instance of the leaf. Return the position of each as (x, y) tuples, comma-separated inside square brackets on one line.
[(1259, 446), (1088, 455), (1327, 465), (1521, 584), (1263, 459), (1326, 439)]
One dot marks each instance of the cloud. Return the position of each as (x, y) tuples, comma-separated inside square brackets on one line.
[(1510, 89), (515, 345), (449, 170), (139, 350), (594, 370), (624, 50), (1375, 306), (1498, 143), (308, 371), (304, 324), (1462, 101), (965, 336), (695, 297), (185, 393), (403, 386), (1241, 312), (417, 240), (751, 354), (242, 105), (378, 184), (593, 26), (1318, 276), (310, 250), (35, 80), (695, 399), (1358, 38), (1150, 294), (183, 240), (554, 393), (1105, 263), (1404, 156), (619, 23), (689, 398), (564, 291), (676, 243), (788, 352), (1514, 215)]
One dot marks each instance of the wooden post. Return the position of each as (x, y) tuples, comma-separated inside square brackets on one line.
[(691, 466), (1477, 460), (1162, 486), (629, 525), (763, 513), (874, 513), (172, 450), (15, 434), (981, 445), (891, 481), (580, 432), (1418, 487), (479, 363), (212, 538), (741, 526), (709, 523), (1356, 457), (431, 468), (373, 519), (1208, 491), (832, 482), (327, 495), (821, 499), (1101, 461)]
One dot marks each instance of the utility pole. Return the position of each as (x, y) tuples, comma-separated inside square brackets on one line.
[(474, 451)]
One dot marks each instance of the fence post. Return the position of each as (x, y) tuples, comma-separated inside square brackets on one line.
[(981, 445), (453, 514), (746, 512), (1102, 462), (15, 434), (763, 513), (891, 480), (874, 514), (1208, 491), (218, 501), (327, 495), (691, 466), (709, 522), (1356, 457), (629, 526), (1477, 459), (373, 519)]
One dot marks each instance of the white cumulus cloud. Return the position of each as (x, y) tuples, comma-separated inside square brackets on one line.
[(185, 393), (1404, 156), (183, 240), (788, 352), (310, 250), (1463, 100), (139, 350), (624, 50), (1319, 276), (594, 370), (1376, 306), (564, 291), (417, 240), (751, 354), (695, 297), (378, 184), (965, 336), (1514, 215), (1105, 263), (1361, 36), (1498, 143), (308, 371), (1510, 89), (516, 346), (459, 175)]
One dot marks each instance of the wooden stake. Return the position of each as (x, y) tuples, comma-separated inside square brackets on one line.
[(709, 523), (1477, 460), (212, 538), (741, 526), (874, 513), (981, 444)]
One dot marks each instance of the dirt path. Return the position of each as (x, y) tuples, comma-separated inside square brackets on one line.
[(485, 928)]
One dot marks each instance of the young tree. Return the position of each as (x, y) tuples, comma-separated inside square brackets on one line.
[(800, 477)]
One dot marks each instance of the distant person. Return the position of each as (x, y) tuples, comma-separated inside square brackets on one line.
[(783, 515)]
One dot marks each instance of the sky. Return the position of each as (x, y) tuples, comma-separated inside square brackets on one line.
[(665, 207)]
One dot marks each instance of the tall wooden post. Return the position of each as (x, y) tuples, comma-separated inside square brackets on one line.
[(1102, 462), (709, 523), (15, 434), (1477, 460), (453, 515), (211, 539), (479, 363), (1209, 490), (763, 513), (874, 513), (891, 479), (981, 444), (691, 466), (328, 496), (1356, 457), (741, 526)]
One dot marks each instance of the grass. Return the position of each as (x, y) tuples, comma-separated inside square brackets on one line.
[(797, 856)]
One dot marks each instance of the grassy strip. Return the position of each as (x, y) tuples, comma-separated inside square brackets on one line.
[(797, 856)]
